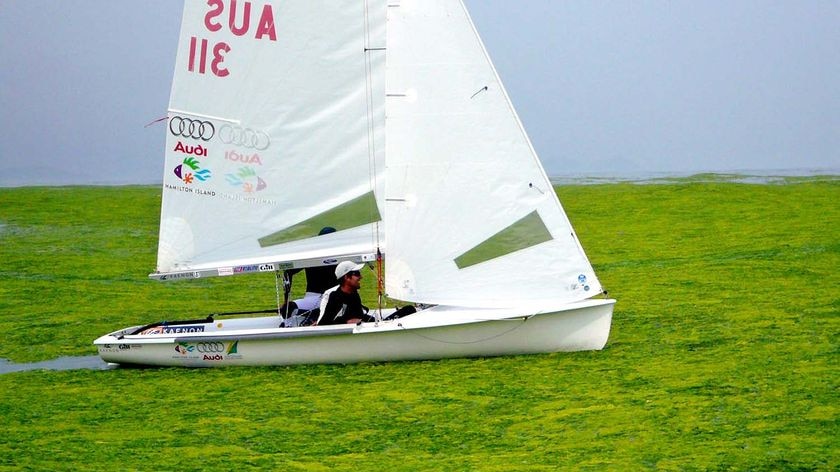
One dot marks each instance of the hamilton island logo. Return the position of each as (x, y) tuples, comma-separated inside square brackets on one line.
[(190, 170), (184, 348), (247, 179)]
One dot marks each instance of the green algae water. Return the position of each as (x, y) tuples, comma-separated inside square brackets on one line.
[(722, 355)]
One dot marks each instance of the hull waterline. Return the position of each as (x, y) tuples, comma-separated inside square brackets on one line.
[(440, 332)]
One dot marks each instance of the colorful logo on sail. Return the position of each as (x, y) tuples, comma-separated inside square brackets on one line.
[(190, 170), (247, 179), (582, 281)]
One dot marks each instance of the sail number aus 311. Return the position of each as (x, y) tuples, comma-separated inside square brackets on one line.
[(204, 52)]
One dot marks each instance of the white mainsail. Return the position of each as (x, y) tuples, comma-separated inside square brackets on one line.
[(471, 217), (276, 129)]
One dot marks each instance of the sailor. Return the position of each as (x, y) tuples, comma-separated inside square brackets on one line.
[(342, 303)]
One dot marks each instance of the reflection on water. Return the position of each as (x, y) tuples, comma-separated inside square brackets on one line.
[(62, 363)]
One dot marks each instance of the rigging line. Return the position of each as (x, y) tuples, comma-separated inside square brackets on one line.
[(379, 289), (156, 121), (429, 338), (277, 291), (372, 157), (369, 106), (371, 139), (372, 151)]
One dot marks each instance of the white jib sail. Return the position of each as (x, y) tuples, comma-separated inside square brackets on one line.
[(471, 217), (276, 129)]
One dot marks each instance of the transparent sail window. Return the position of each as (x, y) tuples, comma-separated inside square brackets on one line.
[(528, 231), (357, 212)]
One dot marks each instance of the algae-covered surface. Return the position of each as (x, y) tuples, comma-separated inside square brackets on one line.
[(723, 353)]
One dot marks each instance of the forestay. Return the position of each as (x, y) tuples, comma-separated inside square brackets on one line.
[(471, 218), (276, 129)]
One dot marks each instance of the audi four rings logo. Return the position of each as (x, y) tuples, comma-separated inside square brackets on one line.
[(210, 347), (189, 128), (244, 137)]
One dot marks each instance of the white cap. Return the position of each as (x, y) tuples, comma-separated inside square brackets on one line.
[(347, 266)]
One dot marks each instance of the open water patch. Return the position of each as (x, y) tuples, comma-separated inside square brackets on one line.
[(62, 363), (758, 177)]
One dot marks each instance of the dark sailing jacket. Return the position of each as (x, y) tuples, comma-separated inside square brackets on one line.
[(343, 307)]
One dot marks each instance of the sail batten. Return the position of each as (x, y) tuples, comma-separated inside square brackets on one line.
[(202, 115), (350, 214), (524, 233)]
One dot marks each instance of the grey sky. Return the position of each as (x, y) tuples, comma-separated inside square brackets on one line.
[(609, 87)]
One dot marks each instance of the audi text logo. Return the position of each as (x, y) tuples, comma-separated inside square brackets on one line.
[(210, 347), (189, 128), (244, 137)]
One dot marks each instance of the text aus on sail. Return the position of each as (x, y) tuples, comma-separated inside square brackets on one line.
[(241, 19)]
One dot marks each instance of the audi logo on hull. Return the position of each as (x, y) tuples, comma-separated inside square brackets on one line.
[(210, 347), (244, 137), (189, 128)]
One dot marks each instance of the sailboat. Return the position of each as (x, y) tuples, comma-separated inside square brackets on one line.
[(385, 120)]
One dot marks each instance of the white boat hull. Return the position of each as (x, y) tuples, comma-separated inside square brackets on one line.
[(435, 333)]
